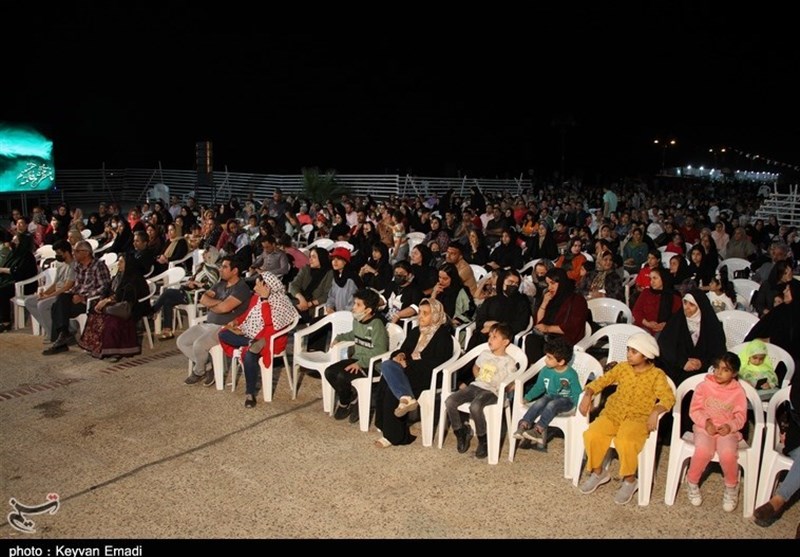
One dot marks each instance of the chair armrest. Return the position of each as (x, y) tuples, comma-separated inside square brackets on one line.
[(375, 359), (89, 302), (19, 286), (524, 377)]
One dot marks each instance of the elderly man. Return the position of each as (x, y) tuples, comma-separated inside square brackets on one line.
[(92, 279), (225, 301)]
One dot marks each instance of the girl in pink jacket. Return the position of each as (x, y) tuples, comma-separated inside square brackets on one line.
[(719, 411)]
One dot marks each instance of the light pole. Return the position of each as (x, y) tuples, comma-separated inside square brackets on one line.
[(664, 144)]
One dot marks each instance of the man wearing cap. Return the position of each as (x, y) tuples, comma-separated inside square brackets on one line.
[(630, 414)]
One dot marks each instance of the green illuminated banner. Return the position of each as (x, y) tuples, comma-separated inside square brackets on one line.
[(26, 160)]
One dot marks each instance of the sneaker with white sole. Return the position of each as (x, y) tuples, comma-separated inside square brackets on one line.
[(693, 493), (730, 498), (534, 434), (594, 481), (520, 433), (625, 492)]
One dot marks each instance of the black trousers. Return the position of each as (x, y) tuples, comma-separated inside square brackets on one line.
[(62, 311), (340, 380)]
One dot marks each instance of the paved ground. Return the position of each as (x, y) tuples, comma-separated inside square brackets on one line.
[(134, 453)]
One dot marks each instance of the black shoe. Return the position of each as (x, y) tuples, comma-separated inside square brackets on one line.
[(55, 349), (250, 402), (192, 379), (463, 436), (354, 414), (483, 449), (342, 411), (5, 327), (208, 379), (766, 515)]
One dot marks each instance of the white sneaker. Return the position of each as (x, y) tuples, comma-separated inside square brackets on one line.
[(693, 492), (730, 498)]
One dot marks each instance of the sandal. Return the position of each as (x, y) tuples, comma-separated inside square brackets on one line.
[(382, 443), (166, 336)]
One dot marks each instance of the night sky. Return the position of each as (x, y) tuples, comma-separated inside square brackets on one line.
[(482, 97)]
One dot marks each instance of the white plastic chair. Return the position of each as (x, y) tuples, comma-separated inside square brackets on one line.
[(303, 234), (185, 258), (343, 244), (478, 272), (493, 412), (149, 298), (93, 243), (414, 239), (736, 324), (746, 288), (529, 266), (341, 322), (266, 370), (45, 252), (363, 385), (109, 258), (681, 448), (571, 423), (618, 335), (776, 354), (86, 233), (520, 335), (427, 399), (45, 279), (606, 310), (773, 460), (646, 468), (734, 264), (324, 243), (171, 278)]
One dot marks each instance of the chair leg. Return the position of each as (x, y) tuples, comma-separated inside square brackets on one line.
[(426, 414), (218, 363), (147, 331), (19, 317), (266, 379)]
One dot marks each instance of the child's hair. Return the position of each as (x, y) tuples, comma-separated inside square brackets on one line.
[(559, 348), (726, 286), (370, 298), (501, 329), (731, 360)]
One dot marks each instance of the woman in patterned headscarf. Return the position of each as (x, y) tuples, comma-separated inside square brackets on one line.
[(408, 373), (270, 310)]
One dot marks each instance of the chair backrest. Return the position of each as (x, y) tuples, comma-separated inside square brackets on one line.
[(753, 401), (772, 431), (618, 335), (152, 291), (478, 272), (746, 288), (607, 310), (776, 354), (45, 252), (342, 244), (736, 324), (93, 243), (324, 243), (396, 336), (529, 266), (109, 258), (86, 233), (734, 264)]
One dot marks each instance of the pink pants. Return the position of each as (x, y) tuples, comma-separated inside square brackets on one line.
[(705, 446)]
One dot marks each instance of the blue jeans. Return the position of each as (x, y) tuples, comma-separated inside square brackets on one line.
[(252, 370), (396, 379), (546, 408), (791, 483)]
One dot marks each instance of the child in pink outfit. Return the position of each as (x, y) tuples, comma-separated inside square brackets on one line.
[(719, 411)]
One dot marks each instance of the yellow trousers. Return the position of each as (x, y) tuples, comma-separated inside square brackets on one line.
[(628, 436)]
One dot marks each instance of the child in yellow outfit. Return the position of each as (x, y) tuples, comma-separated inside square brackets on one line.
[(631, 413)]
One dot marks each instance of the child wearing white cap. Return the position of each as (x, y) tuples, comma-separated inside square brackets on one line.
[(630, 414)]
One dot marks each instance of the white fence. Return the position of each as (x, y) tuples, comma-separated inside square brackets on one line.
[(129, 186)]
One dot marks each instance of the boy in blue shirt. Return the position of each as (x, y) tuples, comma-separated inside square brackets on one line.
[(557, 390)]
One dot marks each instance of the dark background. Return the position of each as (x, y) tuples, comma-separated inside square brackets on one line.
[(132, 86)]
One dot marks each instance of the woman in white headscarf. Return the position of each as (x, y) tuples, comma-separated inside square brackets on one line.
[(408, 373), (691, 339), (270, 310)]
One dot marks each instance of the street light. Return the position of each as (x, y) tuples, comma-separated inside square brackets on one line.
[(664, 144)]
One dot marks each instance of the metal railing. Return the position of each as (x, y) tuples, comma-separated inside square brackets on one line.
[(130, 186)]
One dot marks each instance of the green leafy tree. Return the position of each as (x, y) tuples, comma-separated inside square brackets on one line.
[(320, 186)]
